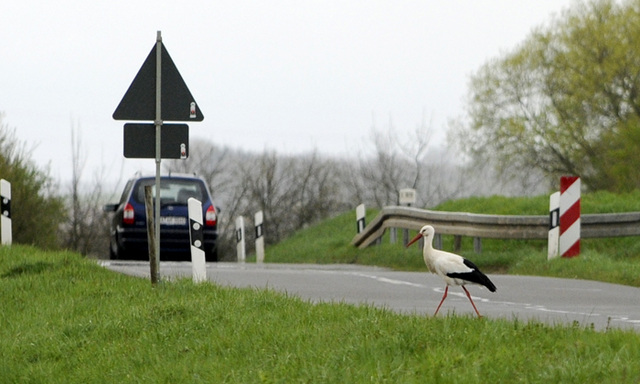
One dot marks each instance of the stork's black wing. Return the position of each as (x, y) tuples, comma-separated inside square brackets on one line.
[(474, 276)]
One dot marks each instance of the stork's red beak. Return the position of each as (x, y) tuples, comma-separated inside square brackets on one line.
[(418, 236)]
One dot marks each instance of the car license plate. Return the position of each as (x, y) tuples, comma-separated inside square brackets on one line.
[(173, 220)]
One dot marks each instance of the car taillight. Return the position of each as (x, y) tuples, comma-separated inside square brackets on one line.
[(210, 217), (128, 215)]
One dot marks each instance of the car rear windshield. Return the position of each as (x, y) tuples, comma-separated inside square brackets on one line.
[(172, 191)]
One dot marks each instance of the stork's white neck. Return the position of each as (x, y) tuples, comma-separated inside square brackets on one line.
[(427, 253), (428, 243)]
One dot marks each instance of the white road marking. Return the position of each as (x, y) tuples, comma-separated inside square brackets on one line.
[(386, 280), (527, 306)]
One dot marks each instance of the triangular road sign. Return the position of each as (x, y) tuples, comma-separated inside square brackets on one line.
[(139, 103)]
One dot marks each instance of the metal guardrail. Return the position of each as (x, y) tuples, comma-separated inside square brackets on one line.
[(492, 226)]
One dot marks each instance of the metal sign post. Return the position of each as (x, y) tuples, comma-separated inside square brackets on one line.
[(151, 235), (158, 123)]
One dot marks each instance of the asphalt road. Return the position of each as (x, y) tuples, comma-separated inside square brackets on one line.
[(549, 300)]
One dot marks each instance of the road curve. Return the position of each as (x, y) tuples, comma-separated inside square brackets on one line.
[(550, 300)]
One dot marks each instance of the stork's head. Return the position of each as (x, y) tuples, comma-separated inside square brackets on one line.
[(427, 232)]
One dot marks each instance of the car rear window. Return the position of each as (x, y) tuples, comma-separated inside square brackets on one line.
[(172, 191)]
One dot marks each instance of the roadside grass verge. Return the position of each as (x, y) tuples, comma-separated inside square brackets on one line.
[(614, 260), (64, 319)]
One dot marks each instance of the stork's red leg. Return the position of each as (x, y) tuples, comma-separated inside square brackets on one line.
[(442, 301), (469, 296)]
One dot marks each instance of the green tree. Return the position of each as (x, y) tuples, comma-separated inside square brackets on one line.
[(566, 101), (36, 214)]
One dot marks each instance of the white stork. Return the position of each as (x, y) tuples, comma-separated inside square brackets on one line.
[(454, 269)]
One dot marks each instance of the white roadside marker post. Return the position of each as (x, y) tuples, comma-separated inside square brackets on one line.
[(240, 247), (258, 219), (198, 261), (554, 225), (360, 218), (5, 220)]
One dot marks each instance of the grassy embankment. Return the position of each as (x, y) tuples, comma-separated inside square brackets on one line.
[(64, 319), (615, 260)]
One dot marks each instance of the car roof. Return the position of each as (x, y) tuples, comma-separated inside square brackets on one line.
[(169, 176)]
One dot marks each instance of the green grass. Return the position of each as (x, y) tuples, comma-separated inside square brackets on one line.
[(615, 260), (64, 319), (597, 202)]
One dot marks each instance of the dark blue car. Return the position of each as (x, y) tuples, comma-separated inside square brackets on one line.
[(128, 232)]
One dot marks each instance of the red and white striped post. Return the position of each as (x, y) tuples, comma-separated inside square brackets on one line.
[(569, 216)]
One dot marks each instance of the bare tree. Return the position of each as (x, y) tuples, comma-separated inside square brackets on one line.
[(74, 235), (292, 191), (87, 227), (394, 163)]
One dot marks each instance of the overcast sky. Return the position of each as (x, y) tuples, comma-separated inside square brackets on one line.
[(290, 76)]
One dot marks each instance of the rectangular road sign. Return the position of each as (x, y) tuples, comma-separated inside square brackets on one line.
[(140, 141)]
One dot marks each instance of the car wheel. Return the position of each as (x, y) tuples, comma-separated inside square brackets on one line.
[(118, 252), (113, 250), (212, 256)]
